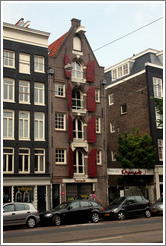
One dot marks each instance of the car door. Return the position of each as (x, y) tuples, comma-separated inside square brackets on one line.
[(72, 212), (21, 213), (9, 216), (130, 206), (85, 210)]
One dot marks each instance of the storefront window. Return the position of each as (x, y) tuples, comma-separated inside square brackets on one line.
[(23, 194)]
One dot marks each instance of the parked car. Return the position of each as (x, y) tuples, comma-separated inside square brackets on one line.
[(123, 207), (157, 207), (20, 214), (73, 211)]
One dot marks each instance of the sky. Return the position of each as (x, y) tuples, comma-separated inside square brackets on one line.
[(104, 21)]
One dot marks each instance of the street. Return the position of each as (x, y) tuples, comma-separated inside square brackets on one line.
[(137, 230)]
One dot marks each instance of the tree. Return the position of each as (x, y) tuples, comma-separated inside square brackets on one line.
[(136, 151)]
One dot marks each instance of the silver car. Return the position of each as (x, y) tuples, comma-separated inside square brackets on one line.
[(157, 207), (20, 214)]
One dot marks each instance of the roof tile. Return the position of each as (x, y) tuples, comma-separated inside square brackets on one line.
[(52, 48)]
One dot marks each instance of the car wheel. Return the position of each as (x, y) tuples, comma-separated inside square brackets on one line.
[(121, 215), (147, 213), (56, 220), (95, 217), (31, 222)]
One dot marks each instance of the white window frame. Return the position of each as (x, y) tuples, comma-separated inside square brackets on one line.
[(9, 90), (160, 149), (60, 120), (99, 157), (7, 60), (39, 156), (111, 99), (6, 154), (38, 122), (97, 95), (157, 87), (60, 154), (76, 101), (120, 71), (24, 63), (112, 127), (23, 160), (76, 131), (113, 156), (77, 73), (59, 89), (98, 125), (39, 64), (8, 118), (76, 164), (25, 134), (121, 109), (24, 90), (39, 92), (158, 116), (76, 43)]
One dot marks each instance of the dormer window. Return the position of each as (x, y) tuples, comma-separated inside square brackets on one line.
[(120, 71), (76, 43)]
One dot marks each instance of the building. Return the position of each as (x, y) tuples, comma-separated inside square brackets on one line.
[(131, 84), (26, 174), (77, 118)]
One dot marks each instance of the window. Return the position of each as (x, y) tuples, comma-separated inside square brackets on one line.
[(120, 71), (24, 160), (157, 88), (39, 94), (111, 99), (77, 43), (99, 154), (60, 121), (98, 125), (125, 69), (60, 156), (77, 100), (24, 127), (39, 161), (160, 149), (97, 95), (59, 90), (39, 128), (78, 129), (8, 124), (158, 118), (114, 74), (8, 160), (24, 91), (78, 162), (9, 208), (123, 109), (8, 90), (112, 127), (77, 71), (24, 63), (113, 156), (39, 64), (9, 58)]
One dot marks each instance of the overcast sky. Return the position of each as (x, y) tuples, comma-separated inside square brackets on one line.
[(104, 22)]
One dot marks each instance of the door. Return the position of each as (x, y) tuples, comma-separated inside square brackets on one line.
[(41, 198), (73, 212), (131, 206), (9, 216)]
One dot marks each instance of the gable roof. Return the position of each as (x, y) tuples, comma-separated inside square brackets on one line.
[(53, 48)]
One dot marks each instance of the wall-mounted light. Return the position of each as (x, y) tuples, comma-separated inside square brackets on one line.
[(68, 67)]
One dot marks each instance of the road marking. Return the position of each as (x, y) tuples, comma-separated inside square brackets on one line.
[(97, 239)]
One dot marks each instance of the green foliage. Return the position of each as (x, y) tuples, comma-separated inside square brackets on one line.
[(159, 108), (136, 151)]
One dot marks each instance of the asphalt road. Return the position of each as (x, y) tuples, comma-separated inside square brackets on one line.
[(139, 230)]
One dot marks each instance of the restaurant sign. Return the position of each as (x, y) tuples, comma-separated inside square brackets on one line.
[(127, 171)]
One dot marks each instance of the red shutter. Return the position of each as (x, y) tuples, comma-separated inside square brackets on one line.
[(66, 61), (70, 128), (90, 72), (91, 103), (69, 96), (92, 130), (92, 163), (70, 163)]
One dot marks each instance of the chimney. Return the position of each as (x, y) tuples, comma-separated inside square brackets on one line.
[(75, 23)]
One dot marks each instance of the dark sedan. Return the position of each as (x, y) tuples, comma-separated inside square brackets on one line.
[(123, 207), (74, 211), (157, 207)]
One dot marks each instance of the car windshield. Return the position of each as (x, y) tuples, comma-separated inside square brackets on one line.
[(118, 200), (61, 206)]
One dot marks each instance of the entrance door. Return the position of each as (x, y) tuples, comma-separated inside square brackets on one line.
[(41, 198)]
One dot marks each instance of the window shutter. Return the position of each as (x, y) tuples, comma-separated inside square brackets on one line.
[(66, 61), (70, 163), (70, 128), (92, 163), (91, 103), (92, 130), (69, 96), (90, 72)]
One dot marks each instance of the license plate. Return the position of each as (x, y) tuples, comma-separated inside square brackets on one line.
[(106, 214)]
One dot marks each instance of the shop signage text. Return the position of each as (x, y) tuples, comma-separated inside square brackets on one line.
[(128, 172)]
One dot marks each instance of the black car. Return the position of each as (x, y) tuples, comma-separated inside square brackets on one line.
[(73, 211), (123, 207)]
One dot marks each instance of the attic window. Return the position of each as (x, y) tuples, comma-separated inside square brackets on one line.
[(120, 71), (76, 43)]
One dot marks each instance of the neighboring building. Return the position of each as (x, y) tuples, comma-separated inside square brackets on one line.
[(78, 119), (25, 115), (131, 84)]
